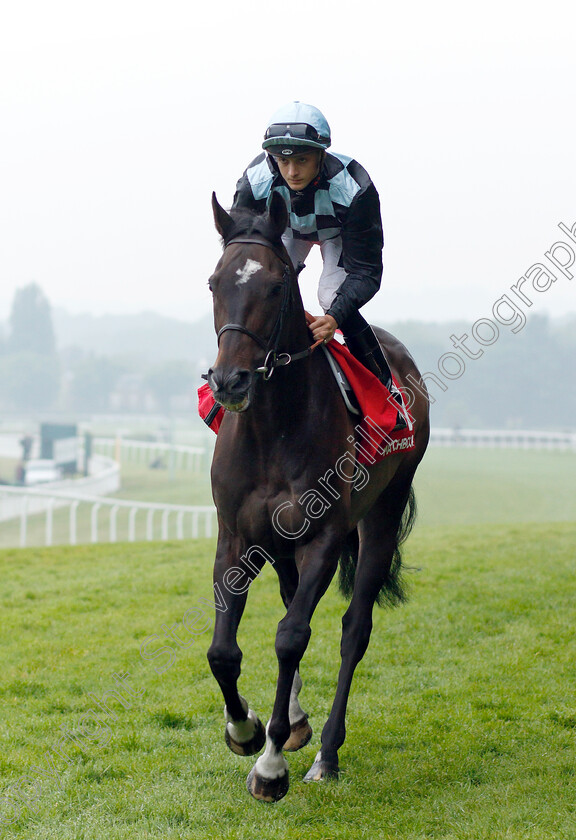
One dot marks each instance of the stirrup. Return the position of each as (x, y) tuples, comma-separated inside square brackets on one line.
[(400, 421), (397, 397)]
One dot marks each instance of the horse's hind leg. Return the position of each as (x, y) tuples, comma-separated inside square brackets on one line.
[(378, 542), (300, 729), (244, 733), (317, 562)]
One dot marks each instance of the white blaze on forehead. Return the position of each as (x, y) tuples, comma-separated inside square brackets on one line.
[(244, 274)]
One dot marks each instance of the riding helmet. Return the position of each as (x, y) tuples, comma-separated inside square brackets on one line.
[(296, 127)]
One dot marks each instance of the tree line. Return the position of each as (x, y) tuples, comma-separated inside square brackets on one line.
[(36, 377), (525, 380)]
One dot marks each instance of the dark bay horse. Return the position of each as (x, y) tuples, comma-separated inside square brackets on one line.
[(285, 436)]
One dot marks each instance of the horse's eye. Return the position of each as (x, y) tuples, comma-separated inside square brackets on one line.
[(276, 289), (210, 284)]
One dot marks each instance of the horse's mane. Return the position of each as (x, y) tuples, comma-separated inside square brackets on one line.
[(247, 222)]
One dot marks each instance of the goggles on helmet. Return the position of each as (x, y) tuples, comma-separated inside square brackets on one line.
[(293, 134), (300, 131)]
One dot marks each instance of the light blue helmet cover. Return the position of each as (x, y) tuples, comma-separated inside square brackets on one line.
[(298, 113)]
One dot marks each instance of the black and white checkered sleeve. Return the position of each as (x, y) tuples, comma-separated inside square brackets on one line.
[(362, 243)]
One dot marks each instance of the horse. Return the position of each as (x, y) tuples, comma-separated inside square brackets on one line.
[(286, 430)]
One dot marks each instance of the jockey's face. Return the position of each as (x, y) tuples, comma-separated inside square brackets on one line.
[(298, 170)]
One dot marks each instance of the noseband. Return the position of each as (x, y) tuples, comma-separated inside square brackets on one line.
[(273, 359)]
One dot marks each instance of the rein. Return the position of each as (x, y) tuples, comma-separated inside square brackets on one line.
[(273, 358)]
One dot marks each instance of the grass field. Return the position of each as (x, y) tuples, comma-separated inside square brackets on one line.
[(8, 469), (462, 718)]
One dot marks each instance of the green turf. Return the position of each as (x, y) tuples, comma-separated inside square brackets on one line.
[(469, 486), (180, 487), (461, 723), (8, 469)]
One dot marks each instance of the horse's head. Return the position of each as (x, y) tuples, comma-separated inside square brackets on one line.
[(253, 289)]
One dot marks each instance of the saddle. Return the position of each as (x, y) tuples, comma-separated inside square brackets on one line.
[(343, 383)]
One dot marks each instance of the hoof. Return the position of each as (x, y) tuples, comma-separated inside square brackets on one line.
[(300, 734), (250, 747), (267, 790), (321, 770)]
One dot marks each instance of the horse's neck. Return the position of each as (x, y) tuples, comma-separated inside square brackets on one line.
[(284, 398)]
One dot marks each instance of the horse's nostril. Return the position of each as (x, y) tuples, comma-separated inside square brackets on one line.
[(213, 379), (235, 382), (241, 381), (238, 382)]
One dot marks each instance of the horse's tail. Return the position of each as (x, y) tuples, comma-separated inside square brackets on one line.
[(348, 563), (392, 591)]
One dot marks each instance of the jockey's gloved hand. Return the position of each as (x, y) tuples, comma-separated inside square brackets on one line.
[(323, 328)]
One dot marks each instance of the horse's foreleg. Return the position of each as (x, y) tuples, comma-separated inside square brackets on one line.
[(244, 733), (269, 777)]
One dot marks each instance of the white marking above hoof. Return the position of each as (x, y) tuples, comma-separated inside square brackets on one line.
[(272, 764), (243, 731)]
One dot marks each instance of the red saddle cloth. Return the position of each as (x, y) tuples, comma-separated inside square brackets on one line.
[(374, 435)]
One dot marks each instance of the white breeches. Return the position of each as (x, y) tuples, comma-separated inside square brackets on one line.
[(332, 275)]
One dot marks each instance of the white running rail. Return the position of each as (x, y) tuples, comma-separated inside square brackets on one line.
[(178, 456), (503, 439), (158, 517)]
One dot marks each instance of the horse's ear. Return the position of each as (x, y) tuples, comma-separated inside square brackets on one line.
[(278, 214), (222, 220)]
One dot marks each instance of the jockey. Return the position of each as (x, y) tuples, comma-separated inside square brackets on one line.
[(332, 203)]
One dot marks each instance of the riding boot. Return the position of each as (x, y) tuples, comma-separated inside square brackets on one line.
[(365, 347)]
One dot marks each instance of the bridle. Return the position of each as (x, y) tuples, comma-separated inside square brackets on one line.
[(273, 358)]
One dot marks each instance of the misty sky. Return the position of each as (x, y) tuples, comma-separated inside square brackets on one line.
[(118, 119)]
